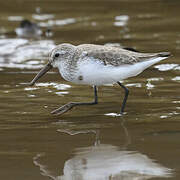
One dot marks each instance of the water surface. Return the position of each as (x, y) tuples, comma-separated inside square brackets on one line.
[(89, 142)]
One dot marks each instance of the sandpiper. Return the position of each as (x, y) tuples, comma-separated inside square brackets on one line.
[(97, 65), (28, 29)]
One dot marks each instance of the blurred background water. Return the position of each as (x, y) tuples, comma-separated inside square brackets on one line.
[(89, 143)]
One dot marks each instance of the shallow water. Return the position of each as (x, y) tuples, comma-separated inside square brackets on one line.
[(89, 142)]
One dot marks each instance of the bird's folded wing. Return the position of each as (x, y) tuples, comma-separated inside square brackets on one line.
[(116, 56)]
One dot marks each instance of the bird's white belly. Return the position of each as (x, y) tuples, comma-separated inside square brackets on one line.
[(96, 73)]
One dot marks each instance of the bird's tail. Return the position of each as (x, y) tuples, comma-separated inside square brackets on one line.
[(164, 54)]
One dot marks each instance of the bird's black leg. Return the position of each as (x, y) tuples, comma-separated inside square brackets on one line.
[(70, 105), (125, 97)]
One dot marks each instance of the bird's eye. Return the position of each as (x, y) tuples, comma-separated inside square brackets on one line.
[(56, 55)]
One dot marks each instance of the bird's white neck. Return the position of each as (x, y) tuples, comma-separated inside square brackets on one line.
[(66, 71)]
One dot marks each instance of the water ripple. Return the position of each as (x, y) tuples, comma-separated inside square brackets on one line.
[(58, 22), (121, 20), (42, 17), (23, 54), (55, 85), (167, 67)]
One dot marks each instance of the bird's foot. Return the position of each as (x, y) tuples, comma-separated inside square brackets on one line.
[(63, 109), (122, 113)]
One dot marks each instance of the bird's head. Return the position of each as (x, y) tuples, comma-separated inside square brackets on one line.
[(61, 53)]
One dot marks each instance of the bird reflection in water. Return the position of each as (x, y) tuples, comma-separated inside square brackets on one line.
[(108, 162)]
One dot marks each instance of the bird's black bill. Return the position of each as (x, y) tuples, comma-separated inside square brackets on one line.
[(46, 68)]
